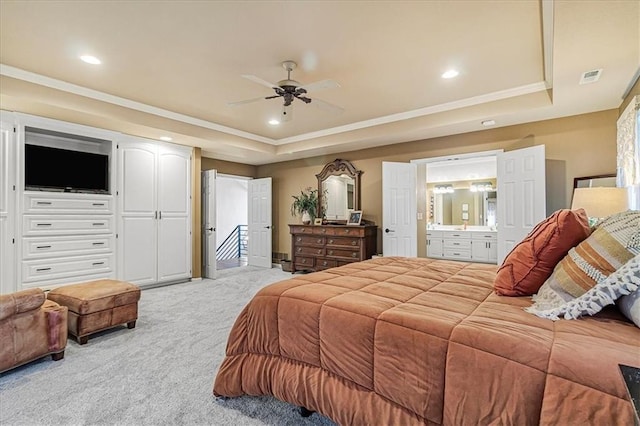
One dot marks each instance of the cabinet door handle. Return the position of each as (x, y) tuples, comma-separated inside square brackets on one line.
[(299, 249), (298, 239), (456, 244), (159, 215), (330, 252), (354, 242), (98, 244), (43, 203), (319, 241), (97, 263), (43, 224), (354, 254), (324, 263), (98, 204), (42, 269), (43, 247), (98, 224), (331, 241), (319, 251), (324, 231)]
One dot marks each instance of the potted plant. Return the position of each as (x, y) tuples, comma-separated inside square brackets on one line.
[(305, 204)]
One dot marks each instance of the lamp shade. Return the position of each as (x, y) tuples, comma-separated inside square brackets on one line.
[(600, 201)]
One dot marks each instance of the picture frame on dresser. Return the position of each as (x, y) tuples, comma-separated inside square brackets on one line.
[(355, 217), (317, 221)]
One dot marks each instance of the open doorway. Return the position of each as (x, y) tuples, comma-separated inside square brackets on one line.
[(231, 220)]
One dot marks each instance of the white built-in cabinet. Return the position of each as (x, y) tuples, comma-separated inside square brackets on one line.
[(7, 205), (469, 246), (138, 230), (154, 219)]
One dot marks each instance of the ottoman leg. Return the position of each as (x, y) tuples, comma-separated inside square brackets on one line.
[(58, 356), (83, 339), (131, 324)]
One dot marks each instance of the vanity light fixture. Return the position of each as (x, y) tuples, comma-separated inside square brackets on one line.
[(274, 122), (90, 59), (443, 189), (166, 138), (481, 187), (450, 74)]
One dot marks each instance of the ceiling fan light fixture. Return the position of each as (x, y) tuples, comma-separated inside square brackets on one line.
[(450, 74)]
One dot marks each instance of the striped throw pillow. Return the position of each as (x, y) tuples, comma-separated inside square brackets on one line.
[(612, 244)]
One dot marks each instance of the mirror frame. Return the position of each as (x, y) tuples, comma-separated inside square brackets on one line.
[(337, 168)]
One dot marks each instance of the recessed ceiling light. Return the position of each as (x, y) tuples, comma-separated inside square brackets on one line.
[(488, 122), (450, 74), (165, 138), (91, 59), (274, 122)]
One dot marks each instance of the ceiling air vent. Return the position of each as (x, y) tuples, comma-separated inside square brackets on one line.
[(590, 76)]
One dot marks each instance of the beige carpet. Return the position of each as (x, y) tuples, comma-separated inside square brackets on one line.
[(160, 373)]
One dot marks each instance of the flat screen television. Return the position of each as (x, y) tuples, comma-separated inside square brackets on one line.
[(56, 169)]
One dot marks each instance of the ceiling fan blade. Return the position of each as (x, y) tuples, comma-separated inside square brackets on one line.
[(247, 101), (319, 103), (320, 85), (260, 81)]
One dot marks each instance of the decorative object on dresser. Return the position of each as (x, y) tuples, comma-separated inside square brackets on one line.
[(305, 204), (355, 217), (315, 248)]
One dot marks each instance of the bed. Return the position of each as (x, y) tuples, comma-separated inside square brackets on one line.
[(401, 341)]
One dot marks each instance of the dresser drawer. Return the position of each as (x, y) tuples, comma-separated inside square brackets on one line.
[(457, 244), (67, 203), (310, 251), (343, 253), (309, 240), (301, 229), (34, 225), (41, 247), (343, 242), (304, 262), (325, 264), (66, 267)]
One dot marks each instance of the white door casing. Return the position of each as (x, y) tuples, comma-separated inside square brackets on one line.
[(209, 223), (8, 283), (399, 222), (521, 201), (260, 225), (174, 205)]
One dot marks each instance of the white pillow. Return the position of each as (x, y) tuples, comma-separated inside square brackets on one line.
[(623, 281), (630, 306)]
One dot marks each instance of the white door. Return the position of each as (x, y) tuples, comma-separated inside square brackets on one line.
[(209, 223), (521, 200), (8, 283), (259, 226), (174, 205), (137, 213), (399, 223)]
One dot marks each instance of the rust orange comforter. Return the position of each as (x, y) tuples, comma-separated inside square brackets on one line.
[(399, 341)]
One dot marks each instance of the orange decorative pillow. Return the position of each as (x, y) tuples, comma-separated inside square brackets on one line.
[(531, 262)]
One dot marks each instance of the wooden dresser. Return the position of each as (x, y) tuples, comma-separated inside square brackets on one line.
[(318, 247)]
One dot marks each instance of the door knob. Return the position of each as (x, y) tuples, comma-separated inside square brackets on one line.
[(211, 229), (387, 230), (267, 227)]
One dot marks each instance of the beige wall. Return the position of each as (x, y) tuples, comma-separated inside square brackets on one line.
[(229, 168), (584, 145)]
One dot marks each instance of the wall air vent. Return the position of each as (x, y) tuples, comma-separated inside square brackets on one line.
[(590, 76)]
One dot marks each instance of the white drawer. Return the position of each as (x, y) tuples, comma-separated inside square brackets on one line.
[(457, 254), (34, 225), (67, 203), (434, 234), (486, 236), (42, 247), (460, 235), (65, 267), (457, 244)]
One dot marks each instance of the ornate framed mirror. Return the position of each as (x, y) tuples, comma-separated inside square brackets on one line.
[(338, 190)]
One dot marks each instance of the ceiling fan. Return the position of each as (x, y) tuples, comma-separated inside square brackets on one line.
[(290, 90)]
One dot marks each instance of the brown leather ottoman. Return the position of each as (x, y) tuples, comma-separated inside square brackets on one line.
[(97, 305)]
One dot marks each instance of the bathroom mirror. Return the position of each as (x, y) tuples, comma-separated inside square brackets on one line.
[(454, 203), (339, 190)]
